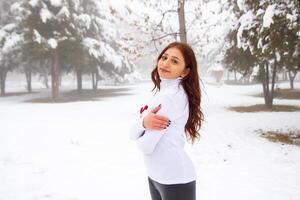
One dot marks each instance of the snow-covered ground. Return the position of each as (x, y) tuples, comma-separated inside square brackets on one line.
[(81, 150)]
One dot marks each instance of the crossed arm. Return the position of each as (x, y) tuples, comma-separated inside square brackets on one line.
[(148, 130)]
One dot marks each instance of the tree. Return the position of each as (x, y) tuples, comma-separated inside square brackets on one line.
[(237, 59), (72, 35), (10, 38), (263, 30), (291, 54), (150, 30), (162, 22)]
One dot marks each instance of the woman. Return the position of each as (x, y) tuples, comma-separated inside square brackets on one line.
[(173, 117)]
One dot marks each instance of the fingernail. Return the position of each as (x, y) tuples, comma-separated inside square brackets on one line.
[(159, 105), (169, 121)]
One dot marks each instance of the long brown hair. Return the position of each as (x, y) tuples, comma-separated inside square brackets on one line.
[(191, 86)]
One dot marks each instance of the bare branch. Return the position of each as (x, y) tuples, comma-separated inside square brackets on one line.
[(166, 35), (163, 16)]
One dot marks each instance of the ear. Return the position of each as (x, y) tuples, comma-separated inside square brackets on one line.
[(185, 72)]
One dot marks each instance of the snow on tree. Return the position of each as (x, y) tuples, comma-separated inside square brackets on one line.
[(10, 38), (265, 28), (72, 33), (148, 30)]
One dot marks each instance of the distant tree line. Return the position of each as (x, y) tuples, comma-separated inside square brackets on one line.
[(51, 37)]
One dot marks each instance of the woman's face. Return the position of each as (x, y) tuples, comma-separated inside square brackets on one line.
[(171, 65)]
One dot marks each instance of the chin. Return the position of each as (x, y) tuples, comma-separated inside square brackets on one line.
[(166, 77), (162, 76)]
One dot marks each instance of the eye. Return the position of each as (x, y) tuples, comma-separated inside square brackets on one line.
[(175, 61), (164, 58)]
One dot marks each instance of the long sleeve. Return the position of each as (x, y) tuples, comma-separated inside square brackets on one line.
[(137, 129), (172, 108)]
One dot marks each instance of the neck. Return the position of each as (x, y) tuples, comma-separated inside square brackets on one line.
[(164, 83)]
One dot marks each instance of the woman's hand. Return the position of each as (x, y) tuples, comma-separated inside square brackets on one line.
[(154, 121)]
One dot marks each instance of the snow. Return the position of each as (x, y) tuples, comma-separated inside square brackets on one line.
[(278, 57), (16, 7), (36, 36), (85, 19), (246, 22), (117, 61), (63, 12), (241, 4), (255, 72), (81, 150), (9, 27), (2, 34), (260, 43), (260, 11), (53, 43), (292, 18), (45, 15), (268, 16), (11, 42), (56, 3), (100, 49), (93, 47), (33, 3)]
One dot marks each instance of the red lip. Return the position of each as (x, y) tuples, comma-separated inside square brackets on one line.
[(164, 70)]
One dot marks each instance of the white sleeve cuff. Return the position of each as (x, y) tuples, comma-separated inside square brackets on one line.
[(137, 128)]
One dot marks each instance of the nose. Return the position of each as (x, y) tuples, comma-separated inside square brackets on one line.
[(166, 62)]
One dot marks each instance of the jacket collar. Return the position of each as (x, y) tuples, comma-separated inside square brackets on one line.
[(165, 83)]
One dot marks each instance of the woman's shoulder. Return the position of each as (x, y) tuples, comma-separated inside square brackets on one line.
[(174, 102), (173, 94)]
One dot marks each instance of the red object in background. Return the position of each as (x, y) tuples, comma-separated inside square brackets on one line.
[(143, 109)]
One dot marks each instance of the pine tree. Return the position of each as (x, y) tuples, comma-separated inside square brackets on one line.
[(72, 35), (10, 38), (264, 29)]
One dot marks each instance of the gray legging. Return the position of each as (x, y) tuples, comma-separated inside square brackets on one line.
[(160, 191)]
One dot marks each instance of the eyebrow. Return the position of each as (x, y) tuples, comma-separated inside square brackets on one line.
[(172, 56)]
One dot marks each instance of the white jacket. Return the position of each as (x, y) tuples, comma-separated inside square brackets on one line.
[(164, 154)]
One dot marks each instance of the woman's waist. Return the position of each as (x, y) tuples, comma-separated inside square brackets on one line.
[(172, 168), (168, 153)]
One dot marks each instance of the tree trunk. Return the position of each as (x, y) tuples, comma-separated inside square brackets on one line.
[(3, 73), (181, 17), (94, 80), (235, 79), (269, 94), (292, 78), (54, 76), (28, 73), (97, 77), (284, 76), (267, 77), (59, 78), (79, 78), (227, 75), (273, 80), (44, 73), (46, 81), (265, 84)]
